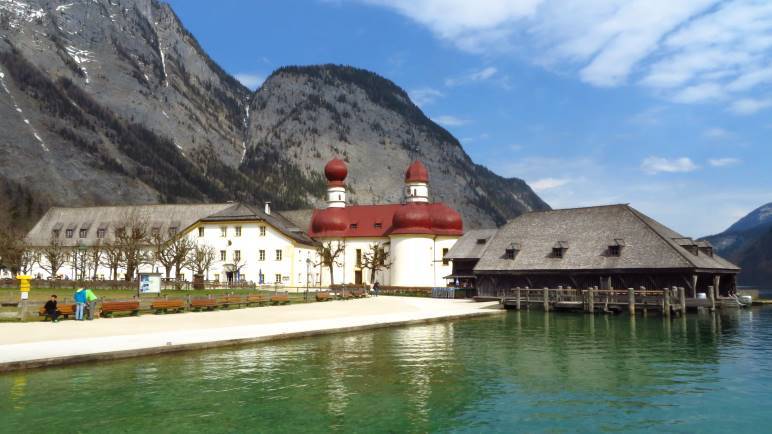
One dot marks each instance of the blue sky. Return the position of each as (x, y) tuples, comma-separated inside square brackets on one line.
[(664, 105)]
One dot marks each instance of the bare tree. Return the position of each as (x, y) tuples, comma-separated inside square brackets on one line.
[(163, 251), (131, 236), (112, 258), (53, 257), (78, 260), (200, 258), (374, 259), (95, 258), (15, 254), (329, 253)]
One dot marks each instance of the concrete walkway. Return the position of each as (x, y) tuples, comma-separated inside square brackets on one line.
[(27, 345)]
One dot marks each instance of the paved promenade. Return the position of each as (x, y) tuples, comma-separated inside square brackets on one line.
[(26, 345)]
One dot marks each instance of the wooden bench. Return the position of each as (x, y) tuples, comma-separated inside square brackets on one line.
[(359, 293), (255, 299), (199, 304), (345, 295), (232, 300), (280, 299), (110, 307), (64, 310), (323, 296), (164, 306)]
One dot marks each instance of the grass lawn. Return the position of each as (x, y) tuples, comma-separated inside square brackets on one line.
[(65, 294)]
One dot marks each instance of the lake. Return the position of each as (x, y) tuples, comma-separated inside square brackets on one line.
[(522, 371)]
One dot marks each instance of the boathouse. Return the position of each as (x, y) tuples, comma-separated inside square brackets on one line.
[(611, 247)]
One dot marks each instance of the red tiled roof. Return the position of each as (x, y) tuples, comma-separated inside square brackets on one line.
[(373, 221)]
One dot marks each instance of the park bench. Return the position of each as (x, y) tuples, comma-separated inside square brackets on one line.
[(359, 293), (255, 299), (163, 306), (110, 307), (345, 295), (64, 310), (232, 300), (199, 304), (323, 296), (280, 299)]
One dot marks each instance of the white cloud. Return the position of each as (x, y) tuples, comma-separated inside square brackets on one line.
[(450, 120), (747, 106), (474, 76), (654, 165), (425, 96), (716, 133), (694, 51), (541, 185), (252, 81), (723, 162)]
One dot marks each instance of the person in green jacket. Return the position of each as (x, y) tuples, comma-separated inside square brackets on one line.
[(91, 302)]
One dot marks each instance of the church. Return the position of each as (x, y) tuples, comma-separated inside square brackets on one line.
[(402, 245)]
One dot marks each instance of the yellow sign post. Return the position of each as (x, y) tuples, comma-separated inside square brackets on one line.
[(24, 286)]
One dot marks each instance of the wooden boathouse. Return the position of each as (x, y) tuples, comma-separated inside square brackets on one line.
[(608, 249)]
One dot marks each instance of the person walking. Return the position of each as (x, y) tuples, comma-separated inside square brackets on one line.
[(51, 309), (376, 288), (80, 303), (91, 302)]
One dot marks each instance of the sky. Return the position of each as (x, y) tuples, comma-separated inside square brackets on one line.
[(663, 105)]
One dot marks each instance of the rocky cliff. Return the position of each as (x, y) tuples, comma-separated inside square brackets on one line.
[(114, 101)]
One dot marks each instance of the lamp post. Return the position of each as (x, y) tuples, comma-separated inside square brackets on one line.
[(308, 273)]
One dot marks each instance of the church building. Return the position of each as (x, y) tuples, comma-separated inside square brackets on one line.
[(413, 236)]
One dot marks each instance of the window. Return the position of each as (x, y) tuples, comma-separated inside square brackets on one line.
[(277, 278), (68, 233), (83, 233), (511, 251), (378, 225), (278, 254), (55, 233), (482, 240), (237, 255), (557, 252), (155, 231), (222, 255), (223, 231), (172, 231), (238, 231), (445, 253), (216, 277), (359, 258), (119, 232), (614, 250), (201, 231), (261, 255), (262, 231), (354, 225), (100, 233)]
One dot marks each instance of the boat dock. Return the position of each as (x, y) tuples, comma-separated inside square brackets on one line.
[(670, 301)]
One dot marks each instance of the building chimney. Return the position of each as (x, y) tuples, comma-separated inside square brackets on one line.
[(268, 208)]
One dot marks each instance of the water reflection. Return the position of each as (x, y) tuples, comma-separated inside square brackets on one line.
[(524, 369)]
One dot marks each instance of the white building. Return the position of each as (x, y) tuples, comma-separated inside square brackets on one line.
[(262, 246), (416, 234)]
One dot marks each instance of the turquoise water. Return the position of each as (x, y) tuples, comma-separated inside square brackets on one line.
[(523, 371)]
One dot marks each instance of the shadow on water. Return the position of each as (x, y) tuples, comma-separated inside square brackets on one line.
[(523, 371)]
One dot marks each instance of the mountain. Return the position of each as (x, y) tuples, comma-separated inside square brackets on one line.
[(114, 101), (748, 243)]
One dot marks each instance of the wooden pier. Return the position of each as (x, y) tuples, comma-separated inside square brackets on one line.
[(670, 301)]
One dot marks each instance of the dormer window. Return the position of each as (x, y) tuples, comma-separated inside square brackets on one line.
[(100, 233), (68, 233), (83, 233), (377, 225), (559, 249), (482, 240), (55, 233), (688, 244), (354, 225), (615, 248), (511, 251)]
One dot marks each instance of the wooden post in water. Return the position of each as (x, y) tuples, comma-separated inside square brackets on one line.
[(666, 302), (682, 299), (590, 300), (546, 299), (711, 298), (527, 298), (631, 300), (517, 298)]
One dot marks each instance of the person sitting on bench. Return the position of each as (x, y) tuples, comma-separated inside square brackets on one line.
[(50, 308)]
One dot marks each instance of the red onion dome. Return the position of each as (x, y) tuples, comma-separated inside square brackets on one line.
[(446, 219), (336, 171), (329, 220), (412, 218), (417, 172)]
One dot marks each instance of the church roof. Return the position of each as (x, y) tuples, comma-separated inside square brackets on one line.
[(372, 221)]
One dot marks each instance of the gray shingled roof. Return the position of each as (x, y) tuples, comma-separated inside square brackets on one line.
[(471, 245), (587, 234), (161, 217), (301, 218)]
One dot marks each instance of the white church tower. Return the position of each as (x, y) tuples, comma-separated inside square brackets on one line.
[(336, 172), (417, 183)]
